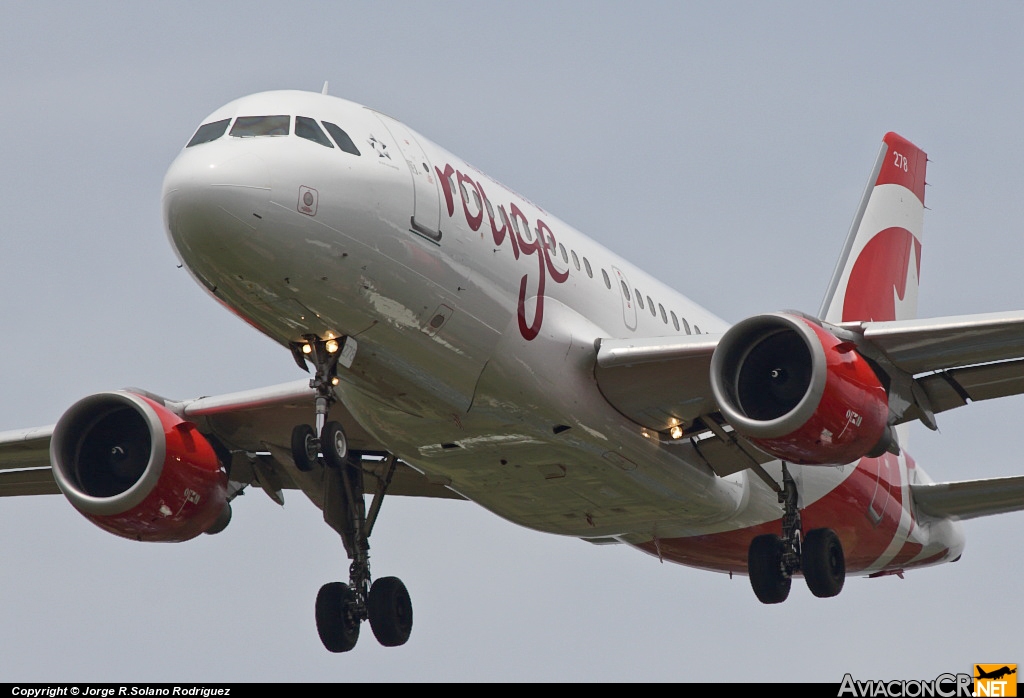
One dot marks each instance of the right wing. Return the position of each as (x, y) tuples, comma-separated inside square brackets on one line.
[(252, 430), (25, 462)]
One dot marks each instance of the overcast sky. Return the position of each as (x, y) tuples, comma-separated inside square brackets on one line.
[(722, 146)]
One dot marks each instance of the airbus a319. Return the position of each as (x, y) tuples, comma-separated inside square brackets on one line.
[(464, 343)]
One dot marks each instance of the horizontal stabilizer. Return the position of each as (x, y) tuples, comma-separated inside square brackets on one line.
[(970, 498)]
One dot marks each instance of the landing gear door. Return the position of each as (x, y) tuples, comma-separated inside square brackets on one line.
[(426, 215)]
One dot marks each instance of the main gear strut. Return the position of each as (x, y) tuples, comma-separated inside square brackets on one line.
[(773, 560)]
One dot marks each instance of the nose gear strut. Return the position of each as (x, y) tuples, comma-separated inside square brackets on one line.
[(341, 608)]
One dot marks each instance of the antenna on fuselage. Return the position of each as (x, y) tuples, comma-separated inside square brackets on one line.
[(324, 91)]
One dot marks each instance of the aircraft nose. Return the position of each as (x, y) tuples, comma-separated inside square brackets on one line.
[(214, 202)]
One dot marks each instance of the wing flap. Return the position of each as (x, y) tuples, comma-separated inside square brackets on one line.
[(971, 498), (17, 483), (957, 387)]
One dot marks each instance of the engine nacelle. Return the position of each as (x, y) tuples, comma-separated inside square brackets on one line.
[(798, 392), (137, 470)]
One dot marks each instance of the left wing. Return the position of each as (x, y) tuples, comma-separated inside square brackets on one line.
[(931, 365)]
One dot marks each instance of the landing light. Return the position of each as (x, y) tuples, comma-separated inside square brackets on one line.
[(676, 432), (331, 346), (335, 380), (306, 349)]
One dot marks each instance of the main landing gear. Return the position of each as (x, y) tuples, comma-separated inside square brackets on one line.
[(341, 608), (772, 561)]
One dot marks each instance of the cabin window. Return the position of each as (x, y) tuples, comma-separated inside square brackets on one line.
[(625, 289), (686, 325), (565, 257), (341, 138), (696, 330), (650, 304), (675, 320), (526, 235), (575, 260), (664, 317), (607, 281), (311, 131), (252, 126), (639, 298), (478, 207), (209, 132), (590, 272)]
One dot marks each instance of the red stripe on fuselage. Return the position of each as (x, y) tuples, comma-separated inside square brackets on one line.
[(864, 511)]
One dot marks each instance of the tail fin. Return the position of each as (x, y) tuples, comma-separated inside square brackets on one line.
[(877, 275)]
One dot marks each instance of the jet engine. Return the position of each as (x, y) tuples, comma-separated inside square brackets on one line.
[(137, 470), (798, 392)]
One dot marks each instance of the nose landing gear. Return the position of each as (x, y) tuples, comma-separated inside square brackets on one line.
[(773, 560), (341, 608)]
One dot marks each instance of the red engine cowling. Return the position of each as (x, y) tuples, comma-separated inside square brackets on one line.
[(798, 392), (136, 469)]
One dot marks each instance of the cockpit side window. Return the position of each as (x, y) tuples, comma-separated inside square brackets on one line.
[(249, 126), (341, 138), (209, 132), (308, 128)]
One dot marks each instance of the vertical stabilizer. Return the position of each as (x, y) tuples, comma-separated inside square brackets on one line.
[(877, 275)]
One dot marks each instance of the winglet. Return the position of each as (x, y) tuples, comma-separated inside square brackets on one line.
[(877, 275)]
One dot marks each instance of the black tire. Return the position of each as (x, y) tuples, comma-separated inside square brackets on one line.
[(335, 445), (338, 629), (764, 564), (304, 447), (823, 563), (390, 611)]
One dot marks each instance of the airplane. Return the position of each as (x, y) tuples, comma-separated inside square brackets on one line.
[(464, 343)]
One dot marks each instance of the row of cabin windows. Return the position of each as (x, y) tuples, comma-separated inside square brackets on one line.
[(625, 289), (526, 233), (277, 125)]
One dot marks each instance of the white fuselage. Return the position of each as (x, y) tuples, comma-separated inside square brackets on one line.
[(476, 341)]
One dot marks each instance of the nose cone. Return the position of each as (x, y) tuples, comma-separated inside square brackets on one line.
[(214, 202)]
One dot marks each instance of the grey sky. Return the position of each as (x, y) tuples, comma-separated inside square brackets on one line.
[(723, 147)]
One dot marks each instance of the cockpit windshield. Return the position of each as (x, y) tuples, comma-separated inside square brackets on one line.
[(250, 126), (278, 125), (307, 128), (209, 132)]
